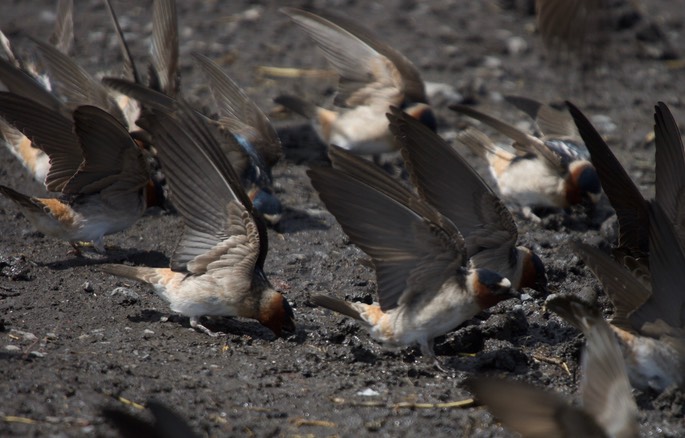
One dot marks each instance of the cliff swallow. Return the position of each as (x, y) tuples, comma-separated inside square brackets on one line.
[(217, 268), (373, 76), (94, 164), (540, 174), (607, 405), (649, 320), (249, 125), (631, 207), (168, 423), (425, 286), (31, 157), (258, 146), (447, 182)]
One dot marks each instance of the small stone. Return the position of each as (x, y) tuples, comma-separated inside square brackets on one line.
[(516, 45), (38, 354), (27, 336), (492, 62), (525, 297), (368, 392), (125, 296), (12, 348), (51, 336), (87, 286)]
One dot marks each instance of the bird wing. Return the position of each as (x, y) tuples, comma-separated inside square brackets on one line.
[(455, 189), (523, 142), (130, 70), (63, 34), (248, 120), (670, 168), (74, 84), (366, 75), (159, 101), (604, 388), (19, 82), (220, 226), (623, 289), (666, 261), (48, 130), (624, 196), (111, 160), (164, 47), (412, 247), (533, 412), (552, 122)]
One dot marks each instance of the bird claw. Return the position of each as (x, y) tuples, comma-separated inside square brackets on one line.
[(439, 365)]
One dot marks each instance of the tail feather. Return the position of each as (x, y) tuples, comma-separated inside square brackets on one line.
[(297, 105), (20, 199), (139, 273), (336, 305)]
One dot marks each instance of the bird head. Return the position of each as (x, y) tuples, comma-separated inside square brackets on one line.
[(275, 313), (583, 183), (489, 287), (533, 274)]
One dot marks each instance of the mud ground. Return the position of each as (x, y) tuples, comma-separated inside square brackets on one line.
[(69, 345)]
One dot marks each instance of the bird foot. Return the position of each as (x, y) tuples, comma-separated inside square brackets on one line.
[(195, 323), (528, 214), (437, 363)]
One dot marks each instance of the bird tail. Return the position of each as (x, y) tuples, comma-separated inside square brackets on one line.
[(20, 199), (139, 273), (297, 105), (336, 305)]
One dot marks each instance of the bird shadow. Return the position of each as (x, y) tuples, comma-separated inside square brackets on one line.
[(301, 144), (295, 220), (116, 255), (225, 325)]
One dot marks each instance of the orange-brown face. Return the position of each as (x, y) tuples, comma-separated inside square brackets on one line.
[(277, 315), (533, 273), (490, 288), (582, 182), (424, 114)]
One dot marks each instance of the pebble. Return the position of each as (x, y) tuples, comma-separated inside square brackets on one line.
[(12, 348), (38, 354), (87, 286), (25, 335), (516, 45), (492, 62), (125, 295), (368, 392), (603, 123)]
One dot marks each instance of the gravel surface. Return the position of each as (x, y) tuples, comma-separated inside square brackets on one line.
[(73, 339)]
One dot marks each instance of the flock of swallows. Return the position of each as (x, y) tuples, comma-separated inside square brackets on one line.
[(442, 252)]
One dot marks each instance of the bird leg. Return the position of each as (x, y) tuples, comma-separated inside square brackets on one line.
[(428, 352), (195, 323), (75, 251)]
